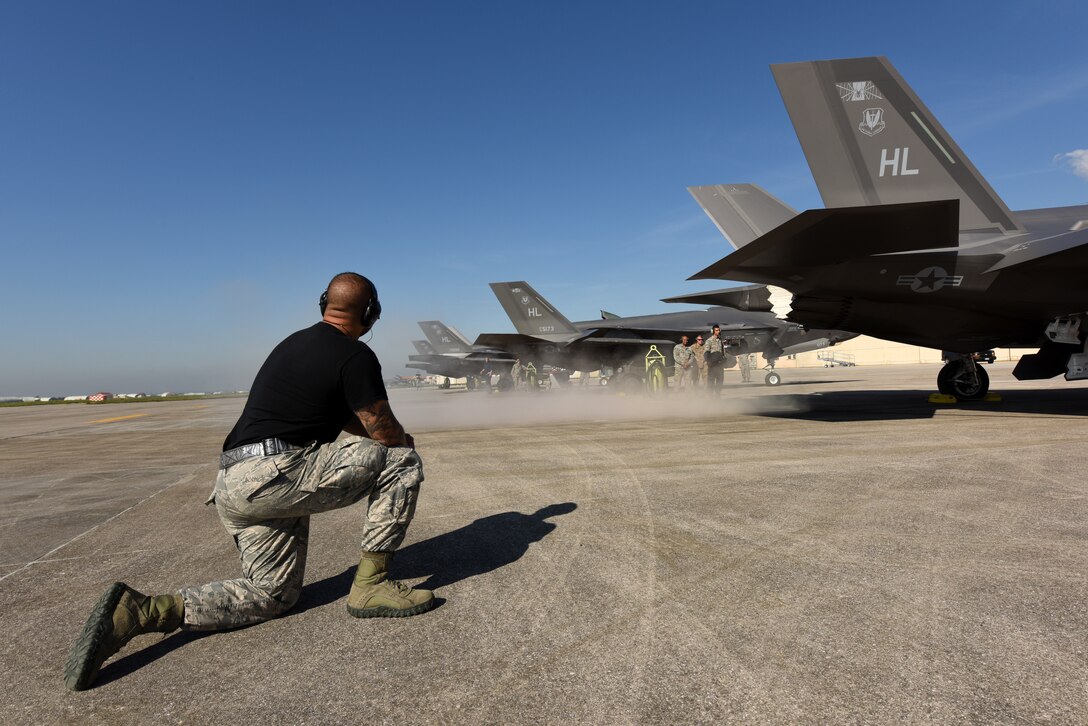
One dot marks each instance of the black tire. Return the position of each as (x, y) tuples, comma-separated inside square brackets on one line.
[(772, 379), (968, 391), (944, 378)]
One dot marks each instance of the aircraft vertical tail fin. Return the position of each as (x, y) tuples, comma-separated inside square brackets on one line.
[(443, 338), (530, 313), (870, 140), (423, 347), (742, 212)]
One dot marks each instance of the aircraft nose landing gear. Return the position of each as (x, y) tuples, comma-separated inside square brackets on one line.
[(963, 378), (772, 378)]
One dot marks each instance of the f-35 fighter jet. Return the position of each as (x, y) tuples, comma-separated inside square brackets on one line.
[(914, 246), (449, 353)]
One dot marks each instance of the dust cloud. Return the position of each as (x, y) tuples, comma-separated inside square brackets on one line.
[(430, 409)]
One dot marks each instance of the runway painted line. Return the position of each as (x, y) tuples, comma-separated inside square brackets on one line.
[(58, 548), (120, 418)]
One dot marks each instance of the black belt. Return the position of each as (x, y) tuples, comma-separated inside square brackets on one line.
[(268, 447)]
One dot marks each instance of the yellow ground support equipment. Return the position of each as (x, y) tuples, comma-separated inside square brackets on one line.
[(656, 380)]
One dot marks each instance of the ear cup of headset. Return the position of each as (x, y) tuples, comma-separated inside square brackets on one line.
[(373, 308)]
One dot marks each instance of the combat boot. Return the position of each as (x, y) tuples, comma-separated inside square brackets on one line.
[(374, 595), (119, 616)]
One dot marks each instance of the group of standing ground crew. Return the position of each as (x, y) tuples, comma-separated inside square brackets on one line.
[(702, 364), (521, 376), (524, 376)]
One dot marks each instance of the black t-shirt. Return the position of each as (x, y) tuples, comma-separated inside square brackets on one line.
[(309, 388)]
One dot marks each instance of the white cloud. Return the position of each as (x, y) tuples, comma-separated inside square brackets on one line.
[(1077, 161)]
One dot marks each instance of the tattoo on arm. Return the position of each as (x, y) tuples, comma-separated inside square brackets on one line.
[(381, 425)]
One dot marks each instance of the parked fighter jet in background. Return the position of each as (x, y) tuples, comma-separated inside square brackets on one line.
[(453, 356), (445, 339), (427, 361), (621, 343), (914, 246)]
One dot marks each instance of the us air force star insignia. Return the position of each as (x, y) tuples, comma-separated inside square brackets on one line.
[(859, 91), (931, 279), (872, 121)]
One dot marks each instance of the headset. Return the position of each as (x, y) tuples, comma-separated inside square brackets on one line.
[(373, 307)]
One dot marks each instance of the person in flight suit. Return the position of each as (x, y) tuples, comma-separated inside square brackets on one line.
[(715, 359)]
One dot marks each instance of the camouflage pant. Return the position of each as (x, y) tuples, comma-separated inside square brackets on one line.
[(266, 502), (700, 376), (685, 374)]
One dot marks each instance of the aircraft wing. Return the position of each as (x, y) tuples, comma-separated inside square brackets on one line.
[(742, 212), (746, 298), (648, 336), (807, 346), (506, 341), (599, 336), (455, 367), (621, 341), (1065, 250), (819, 237), (436, 368), (735, 331)]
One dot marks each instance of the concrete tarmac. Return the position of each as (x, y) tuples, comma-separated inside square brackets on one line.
[(833, 550)]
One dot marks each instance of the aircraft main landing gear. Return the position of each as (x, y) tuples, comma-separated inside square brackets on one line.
[(772, 379), (963, 378)]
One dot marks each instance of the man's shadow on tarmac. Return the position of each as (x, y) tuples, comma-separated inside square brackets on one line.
[(484, 545), (475, 549)]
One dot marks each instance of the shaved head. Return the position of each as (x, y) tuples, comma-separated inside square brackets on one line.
[(349, 293), (347, 298)]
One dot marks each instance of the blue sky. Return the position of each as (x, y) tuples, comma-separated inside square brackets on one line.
[(178, 181)]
